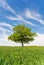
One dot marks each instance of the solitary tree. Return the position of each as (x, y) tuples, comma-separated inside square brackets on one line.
[(22, 34)]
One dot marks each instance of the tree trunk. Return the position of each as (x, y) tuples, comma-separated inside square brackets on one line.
[(22, 44)]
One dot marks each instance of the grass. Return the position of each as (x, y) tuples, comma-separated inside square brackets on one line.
[(31, 55)]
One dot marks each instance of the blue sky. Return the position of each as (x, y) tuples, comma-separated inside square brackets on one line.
[(15, 12)]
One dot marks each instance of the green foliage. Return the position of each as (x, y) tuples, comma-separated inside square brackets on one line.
[(22, 34), (22, 56)]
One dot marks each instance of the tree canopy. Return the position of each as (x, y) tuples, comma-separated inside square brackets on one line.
[(22, 34)]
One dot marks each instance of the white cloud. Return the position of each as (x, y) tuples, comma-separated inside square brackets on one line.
[(25, 21), (3, 37), (34, 15), (20, 18), (4, 32), (6, 6), (6, 24), (11, 18)]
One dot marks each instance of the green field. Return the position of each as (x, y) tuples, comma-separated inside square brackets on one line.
[(22, 55)]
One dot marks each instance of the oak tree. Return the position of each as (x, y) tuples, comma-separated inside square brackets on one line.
[(22, 34)]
